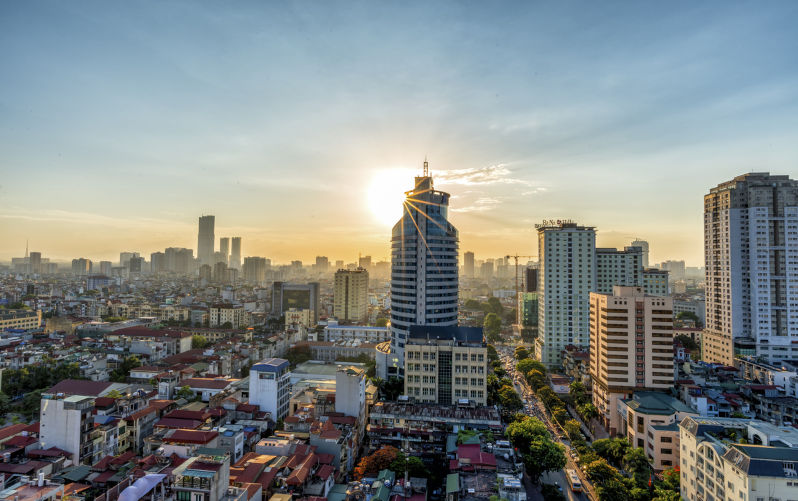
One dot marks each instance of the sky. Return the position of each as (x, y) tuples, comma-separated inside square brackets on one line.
[(300, 124)]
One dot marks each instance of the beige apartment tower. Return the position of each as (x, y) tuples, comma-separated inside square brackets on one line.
[(351, 294), (631, 347)]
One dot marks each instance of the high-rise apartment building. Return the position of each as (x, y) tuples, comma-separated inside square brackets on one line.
[(751, 255), (618, 267), (125, 257), (179, 260), (81, 266), (235, 253), (486, 270), (644, 247), (254, 269), (105, 268), (322, 264), (350, 295), (631, 347), (224, 249), (135, 265), (35, 261), (468, 264), (364, 262), (446, 364), (675, 268), (567, 274), (206, 239), (157, 262), (424, 270)]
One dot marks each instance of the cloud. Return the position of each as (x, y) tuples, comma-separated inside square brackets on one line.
[(534, 191), (480, 205), (491, 174)]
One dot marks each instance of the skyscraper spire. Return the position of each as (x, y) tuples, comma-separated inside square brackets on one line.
[(426, 167), (26, 248)]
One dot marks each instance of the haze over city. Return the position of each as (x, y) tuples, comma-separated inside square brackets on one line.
[(301, 125)]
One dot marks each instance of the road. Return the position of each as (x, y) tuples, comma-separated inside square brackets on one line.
[(534, 407)]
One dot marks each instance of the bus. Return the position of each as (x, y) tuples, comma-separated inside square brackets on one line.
[(573, 480)]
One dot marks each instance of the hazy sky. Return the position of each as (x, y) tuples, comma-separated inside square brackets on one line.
[(298, 124)]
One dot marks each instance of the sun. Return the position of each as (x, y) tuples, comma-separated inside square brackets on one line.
[(386, 193)]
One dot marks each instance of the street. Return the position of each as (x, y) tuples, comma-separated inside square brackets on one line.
[(534, 407)]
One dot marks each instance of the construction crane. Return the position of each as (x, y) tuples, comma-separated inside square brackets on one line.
[(517, 291)]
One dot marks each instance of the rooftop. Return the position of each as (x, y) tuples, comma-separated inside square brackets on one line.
[(652, 402), (441, 333)]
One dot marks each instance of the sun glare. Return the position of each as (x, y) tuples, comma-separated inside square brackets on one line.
[(386, 194)]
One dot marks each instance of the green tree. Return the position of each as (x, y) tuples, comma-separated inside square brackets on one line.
[(412, 464), (494, 306), (298, 355), (551, 493), (636, 462), (381, 322), (559, 414), (5, 404), (577, 391), (493, 327), (613, 489), (612, 449), (391, 388), (509, 399), (493, 355), (520, 433), (600, 471), (544, 455), (528, 364), (121, 373), (587, 411), (536, 379), (198, 342), (573, 429), (226, 325), (521, 353), (472, 304), (185, 392)]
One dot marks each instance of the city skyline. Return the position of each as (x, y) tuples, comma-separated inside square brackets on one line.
[(269, 126)]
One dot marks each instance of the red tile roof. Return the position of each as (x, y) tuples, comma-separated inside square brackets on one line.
[(10, 431), (325, 472), (80, 387), (207, 383), (186, 424), (187, 414), (20, 441), (190, 437)]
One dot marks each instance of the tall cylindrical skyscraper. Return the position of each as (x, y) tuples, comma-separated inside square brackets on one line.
[(424, 270), (205, 239)]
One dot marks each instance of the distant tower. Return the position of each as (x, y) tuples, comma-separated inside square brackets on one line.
[(206, 239), (468, 264), (425, 281), (235, 254), (224, 249), (643, 245)]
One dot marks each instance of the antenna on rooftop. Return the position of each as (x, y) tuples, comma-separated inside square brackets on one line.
[(426, 167)]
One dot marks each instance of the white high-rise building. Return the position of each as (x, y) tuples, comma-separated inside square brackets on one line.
[(618, 267), (567, 274), (270, 386), (424, 269), (751, 254)]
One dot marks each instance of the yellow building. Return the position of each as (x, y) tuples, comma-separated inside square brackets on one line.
[(350, 295), (20, 319)]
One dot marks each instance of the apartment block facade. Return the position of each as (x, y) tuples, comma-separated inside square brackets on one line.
[(350, 295), (631, 347), (751, 257), (444, 365), (567, 276)]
